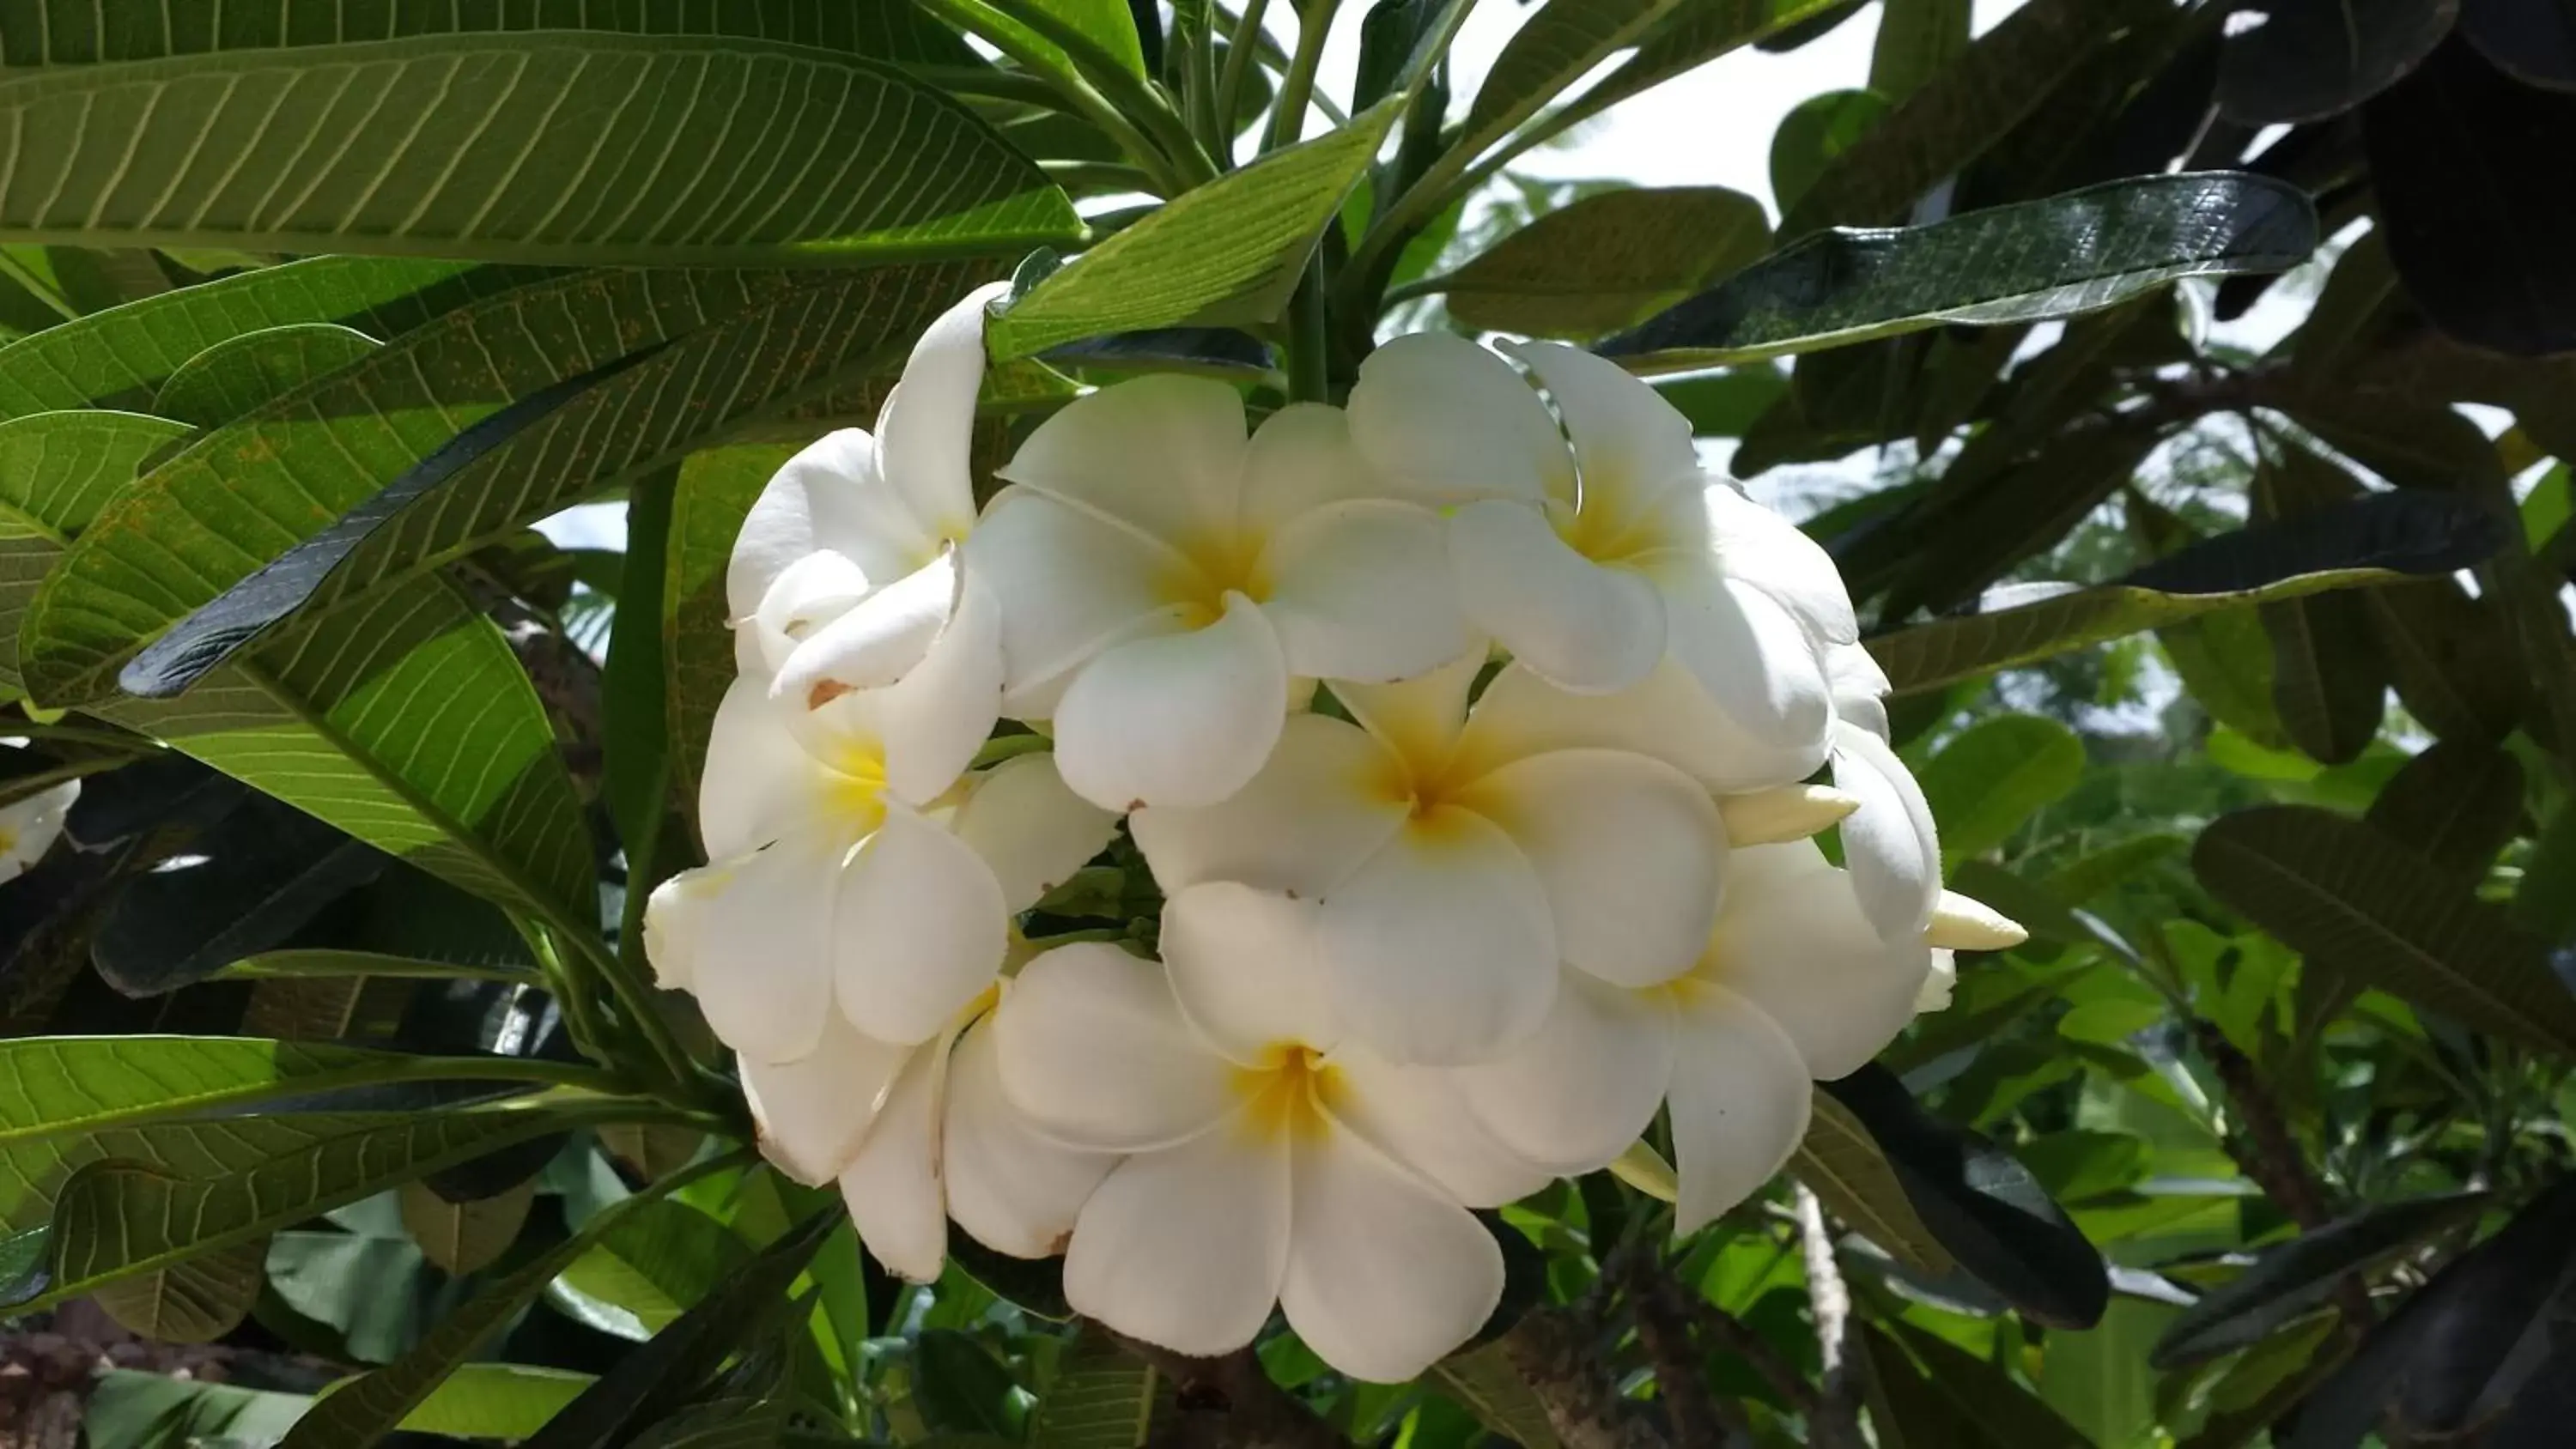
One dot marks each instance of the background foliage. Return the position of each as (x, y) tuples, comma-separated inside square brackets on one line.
[(2244, 679)]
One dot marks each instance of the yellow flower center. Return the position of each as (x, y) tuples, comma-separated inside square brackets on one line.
[(1287, 1095), (1212, 565), (8, 840), (855, 793), (1595, 531)]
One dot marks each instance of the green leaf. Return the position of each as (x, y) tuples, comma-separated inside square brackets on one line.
[(118, 1217), (1227, 252), (2099, 1381), (56, 469), (2328, 681), (1953, 1399), (2290, 1280), (197, 1301), (714, 494), (2452, 659), (67, 1086), (538, 147), (363, 1410), (1694, 33), (1815, 131), (658, 1263), (241, 374), (961, 1389), (1076, 36), (1608, 261), (2545, 903), (1990, 780), (1917, 39), (465, 1237), (1551, 50), (2339, 890), (1102, 1397), (124, 354), (243, 494), (2458, 803), (1964, 108), (1842, 1165), (495, 1401), (132, 1409), (2077, 252), (1485, 1382), (2311, 59)]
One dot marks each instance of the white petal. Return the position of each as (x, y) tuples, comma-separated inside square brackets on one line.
[(892, 1187), (1419, 1117), (675, 922), (935, 718), (809, 595), (763, 967), (1787, 812), (1328, 797), (1588, 628), (1575, 1095), (1302, 458), (878, 639), (1419, 719), (1068, 582), (1243, 964), (826, 499), (1938, 984), (759, 780), (812, 1113), (1754, 545), (1793, 942), (1184, 1248), (29, 827), (920, 930), (1182, 720), (1890, 842), (1011, 1189), (1362, 591), (927, 424), (1754, 661), (1164, 453), (1631, 852), (1095, 1053), (1666, 716), (1860, 687), (1385, 1276), (1631, 445), (1440, 945), (1446, 422), (1740, 1099), (1030, 829)]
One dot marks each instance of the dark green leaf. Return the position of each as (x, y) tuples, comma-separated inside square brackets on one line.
[(2293, 1279), (2532, 40), (2452, 659), (1210, 351), (2456, 804), (2414, 533), (1389, 35), (539, 147), (1916, 39), (1817, 130), (465, 1237), (2310, 59), (2479, 252), (2545, 904), (1839, 1162), (1992, 778), (1607, 261), (133, 1409), (2074, 253), (1954, 1399), (234, 619), (242, 373), (1226, 253), (1981, 1205), (2339, 890), (246, 884), (959, 1386), (653, 1380), (1551, 50), (2329, 684)]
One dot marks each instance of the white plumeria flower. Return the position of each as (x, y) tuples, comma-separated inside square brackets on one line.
[(1592, 560), (914, 1128), (1794, 985), (1459, 857), (1269, 1158), (847, 575), (1164, 578), (29, 827), (1890, 841)]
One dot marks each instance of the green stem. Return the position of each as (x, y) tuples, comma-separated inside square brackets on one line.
[(1288, 115), (1240, 50), (1309, 377), (1081, 94), (336, 965), (636, 1009), (571, 992)]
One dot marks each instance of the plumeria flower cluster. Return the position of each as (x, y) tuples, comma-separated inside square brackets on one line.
[(1475, 740)]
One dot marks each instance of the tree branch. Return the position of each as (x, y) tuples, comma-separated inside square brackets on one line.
[(1699, 1420), (2269, 1154), (1555, 1352), (1230, 1403)]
